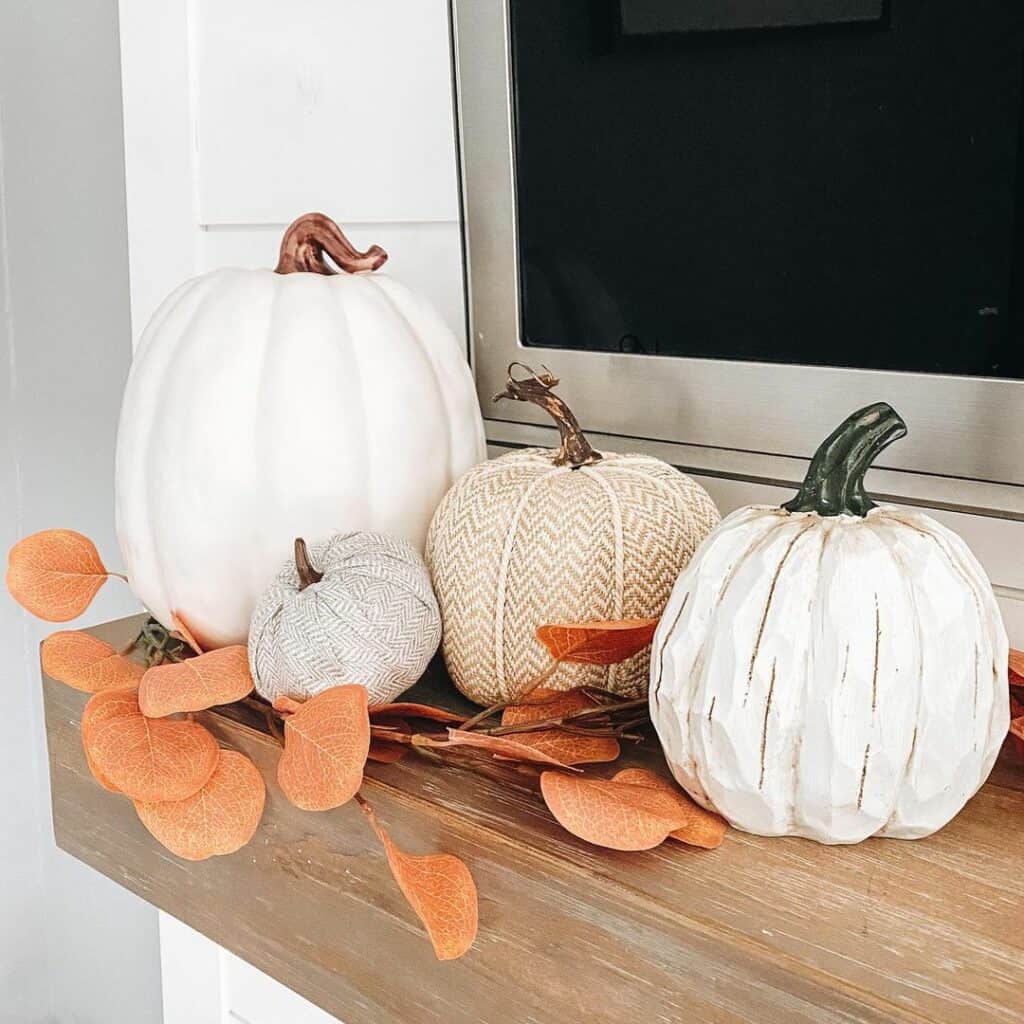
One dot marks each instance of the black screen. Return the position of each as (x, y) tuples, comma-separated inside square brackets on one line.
[(656, 17), (839, 195)]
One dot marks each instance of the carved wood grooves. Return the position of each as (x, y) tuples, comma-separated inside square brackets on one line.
[(758, 930)]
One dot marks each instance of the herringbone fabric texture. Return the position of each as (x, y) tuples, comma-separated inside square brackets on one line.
[(518, 542), (372, 619)]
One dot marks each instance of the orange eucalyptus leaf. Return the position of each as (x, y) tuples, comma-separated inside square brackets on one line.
[(613, 814), (217, 677), (385, 752), (286, 705), (569, 748), (220, 819), (55, 574), (703, 828), (597, 643), (1016, 668), (87, 663), (439, 889), (182, 632), (506, 747), (326, 743), (407, 710), (93, 715), (1016, 733), (99, 776), (146, 759)]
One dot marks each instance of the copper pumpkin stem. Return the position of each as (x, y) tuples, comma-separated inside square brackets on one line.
[(312, 235), (575, 450)]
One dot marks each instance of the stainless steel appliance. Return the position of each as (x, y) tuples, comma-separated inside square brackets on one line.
[(789, 154)]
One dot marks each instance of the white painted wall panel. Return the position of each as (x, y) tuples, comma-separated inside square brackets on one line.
[(159, 151), (340, 105)]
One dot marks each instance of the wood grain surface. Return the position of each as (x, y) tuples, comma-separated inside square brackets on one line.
[(760, 930)]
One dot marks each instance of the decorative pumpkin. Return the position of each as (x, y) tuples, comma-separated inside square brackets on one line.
[(358, 609), (832, 668), (263, 405), (570, 535)]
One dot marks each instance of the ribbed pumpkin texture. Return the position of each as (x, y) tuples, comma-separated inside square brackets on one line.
[(523, 540)]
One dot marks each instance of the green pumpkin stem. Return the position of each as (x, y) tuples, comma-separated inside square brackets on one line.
[(307, 574), (834, 485), (538, 388)]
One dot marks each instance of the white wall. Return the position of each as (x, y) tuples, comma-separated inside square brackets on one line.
[(74, 948)]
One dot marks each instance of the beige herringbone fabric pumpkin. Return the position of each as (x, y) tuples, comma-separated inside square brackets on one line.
[(518, 542)]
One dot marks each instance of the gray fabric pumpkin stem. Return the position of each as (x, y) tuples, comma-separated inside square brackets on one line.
[(304, 567)]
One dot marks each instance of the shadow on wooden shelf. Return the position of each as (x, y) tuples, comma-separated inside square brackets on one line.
[(760, 930)]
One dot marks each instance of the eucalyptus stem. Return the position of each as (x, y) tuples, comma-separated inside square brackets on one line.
[(599, 711), (519, 701), (157, 644)]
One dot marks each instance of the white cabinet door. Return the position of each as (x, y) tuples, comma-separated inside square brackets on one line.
[(240, 115), (205, 984)]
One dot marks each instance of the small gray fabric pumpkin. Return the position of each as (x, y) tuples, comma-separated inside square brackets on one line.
[(357, 608)]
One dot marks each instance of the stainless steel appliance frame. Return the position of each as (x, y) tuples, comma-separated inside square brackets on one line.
[(758, 420)]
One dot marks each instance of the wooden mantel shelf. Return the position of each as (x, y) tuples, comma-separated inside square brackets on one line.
[(760, 930)]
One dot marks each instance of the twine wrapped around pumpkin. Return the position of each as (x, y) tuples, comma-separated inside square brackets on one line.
[(357, 608)]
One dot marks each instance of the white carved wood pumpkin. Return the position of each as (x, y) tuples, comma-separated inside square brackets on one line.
[(540, 536), (832, 669), (265, 405)]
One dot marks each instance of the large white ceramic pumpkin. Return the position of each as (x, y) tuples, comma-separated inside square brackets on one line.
[(264, 405), (551, 536), (832, 668)]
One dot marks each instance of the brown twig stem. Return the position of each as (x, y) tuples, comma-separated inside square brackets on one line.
[(601, 711), (383, 732), (519, 701), (538, 388)]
